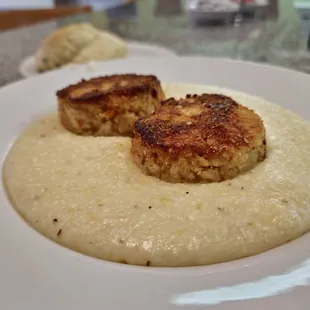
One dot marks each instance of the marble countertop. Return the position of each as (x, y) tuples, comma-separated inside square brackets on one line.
[(277, 41)]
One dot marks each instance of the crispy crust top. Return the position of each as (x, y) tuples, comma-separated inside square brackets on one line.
[(96, 89), (206, 125)]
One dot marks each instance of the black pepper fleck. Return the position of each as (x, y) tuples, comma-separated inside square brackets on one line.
[(150, 207), (59, 232), (187, 193), (242, 187), (55, 220), (220, 209), (100, 205)]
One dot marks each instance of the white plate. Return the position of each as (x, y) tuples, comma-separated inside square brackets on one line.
[(27, 67), (36, 273)]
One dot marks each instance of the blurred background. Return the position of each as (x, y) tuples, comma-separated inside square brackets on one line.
[(270, 31)]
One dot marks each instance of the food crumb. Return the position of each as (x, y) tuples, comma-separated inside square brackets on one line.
[(59, 232), (198, 206)]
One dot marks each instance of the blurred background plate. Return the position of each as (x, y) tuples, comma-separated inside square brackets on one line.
[(27, 67)]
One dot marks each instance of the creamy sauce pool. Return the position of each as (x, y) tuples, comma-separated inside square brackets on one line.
[(85, 193)]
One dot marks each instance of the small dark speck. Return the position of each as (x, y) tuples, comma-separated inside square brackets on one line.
[(37, 221), (242, 187), (229, 184), (121, 241), (135, 206), (55, 220), (284, 200), (36, 198), (187, 193), (150, 207), (59, 232), (289, 240), (220, 209), (148, 263), (250, 224), (100, 205), (90, 242), (43, 135), (45, 189)]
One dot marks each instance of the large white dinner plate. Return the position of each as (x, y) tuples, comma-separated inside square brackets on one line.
[(37, 274), (27, 67)]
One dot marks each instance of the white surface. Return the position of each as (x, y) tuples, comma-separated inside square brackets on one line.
[(36, 273), (27, 67), (21, 4), (302, 4)]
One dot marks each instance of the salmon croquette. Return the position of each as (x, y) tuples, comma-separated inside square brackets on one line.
[(206, 138), (110, 105)]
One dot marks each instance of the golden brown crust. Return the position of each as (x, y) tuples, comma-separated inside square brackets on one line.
[(198, 135), (95, 89), (108, 105), (207, 125)]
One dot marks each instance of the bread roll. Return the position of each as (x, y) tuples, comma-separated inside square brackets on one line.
[(77, 43)]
